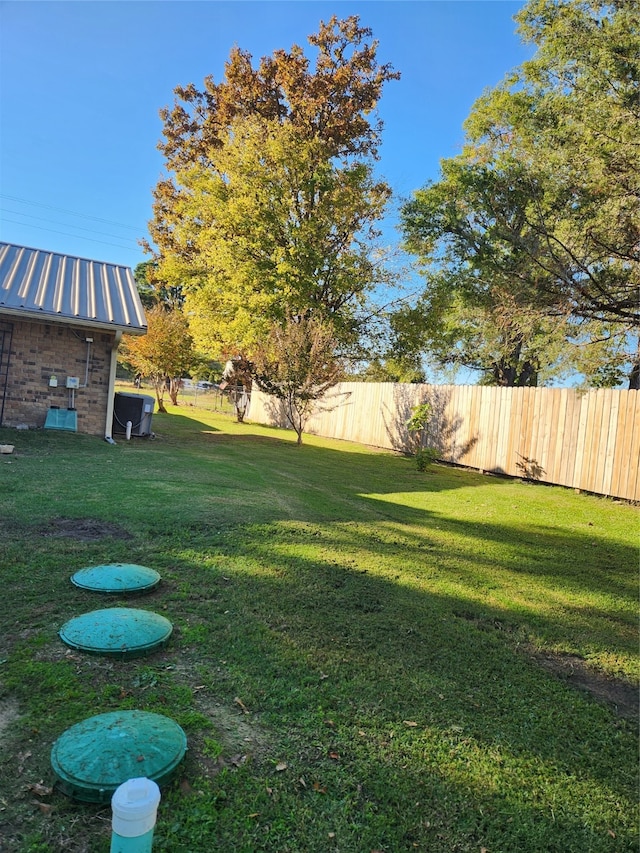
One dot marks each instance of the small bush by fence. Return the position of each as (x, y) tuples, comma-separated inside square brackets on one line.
[(585, 440)]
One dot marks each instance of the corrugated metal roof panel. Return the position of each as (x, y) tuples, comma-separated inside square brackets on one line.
[(47, 284)]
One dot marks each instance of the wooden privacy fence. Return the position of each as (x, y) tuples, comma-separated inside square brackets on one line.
[(586, 440)]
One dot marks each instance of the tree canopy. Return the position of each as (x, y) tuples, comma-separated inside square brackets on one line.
[(271, 205), (563, 132), (164, 354), (277, 227), (530, 241), (333, 102)]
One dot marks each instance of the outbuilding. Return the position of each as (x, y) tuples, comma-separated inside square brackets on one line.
[(61, 322)]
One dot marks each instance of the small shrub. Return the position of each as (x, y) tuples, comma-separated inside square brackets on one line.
[(417, 426), (419, 419), (425, 456)]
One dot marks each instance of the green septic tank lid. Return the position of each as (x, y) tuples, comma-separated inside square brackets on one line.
[(120, 631), (116, 577), (94, 757)]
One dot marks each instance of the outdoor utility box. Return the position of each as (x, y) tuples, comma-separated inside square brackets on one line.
[(137, 408), (65, 419)]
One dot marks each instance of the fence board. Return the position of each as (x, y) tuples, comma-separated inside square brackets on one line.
[(586, 440), (540, 433), (493, 414), (515, 415), (455, 440), (590, 436), (471, 432), (557, 429), (622, 431), (581, 434), (625, 473), (483, 428), (605, 409), (537, 444), (504, 424), (594, 426), (559, 410), (607, 474), (633, 463), (522, 433), (465, 400), (569, 439)]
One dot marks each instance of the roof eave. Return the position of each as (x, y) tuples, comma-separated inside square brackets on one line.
[(46, 317)]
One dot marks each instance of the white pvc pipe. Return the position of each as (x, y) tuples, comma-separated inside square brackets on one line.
[(134, 808), (129, 428)]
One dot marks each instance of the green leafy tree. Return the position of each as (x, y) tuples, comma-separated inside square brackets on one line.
[(278, 228), (506, 340), (563, 130), (532, 234), (205, 369), (389, 369), (297, 366), (271, 205), (164, 354), (481, 308)]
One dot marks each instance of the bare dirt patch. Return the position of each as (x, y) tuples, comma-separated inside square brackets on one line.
[(83, 529), (240, 739), (621, 696)]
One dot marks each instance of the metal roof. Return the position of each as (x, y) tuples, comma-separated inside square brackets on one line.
[(49, 286)]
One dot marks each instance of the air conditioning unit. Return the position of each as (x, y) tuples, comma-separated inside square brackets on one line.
[(137, 408)]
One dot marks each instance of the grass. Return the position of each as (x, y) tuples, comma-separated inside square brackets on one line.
[(361, 652)]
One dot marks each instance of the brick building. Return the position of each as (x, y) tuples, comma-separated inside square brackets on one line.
[(61, 321)]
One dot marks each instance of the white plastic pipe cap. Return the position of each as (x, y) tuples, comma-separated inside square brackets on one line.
[(135, 805)]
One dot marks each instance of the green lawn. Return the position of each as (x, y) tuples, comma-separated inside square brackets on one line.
[(364, 658)]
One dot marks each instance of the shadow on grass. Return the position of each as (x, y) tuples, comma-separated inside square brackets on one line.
[(194, 475), (447, 736), (535, 550), (445, 711), (549, 599)]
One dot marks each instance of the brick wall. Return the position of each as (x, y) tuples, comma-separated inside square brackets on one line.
[(39, 350)]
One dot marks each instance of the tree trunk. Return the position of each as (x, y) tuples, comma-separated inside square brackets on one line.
[(174, 390), (514, 373), (160, 385), (528, 377)]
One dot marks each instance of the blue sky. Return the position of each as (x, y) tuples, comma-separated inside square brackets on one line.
[(81, 84)]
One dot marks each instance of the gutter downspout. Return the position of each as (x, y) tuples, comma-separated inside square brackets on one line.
[(112, 386)]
